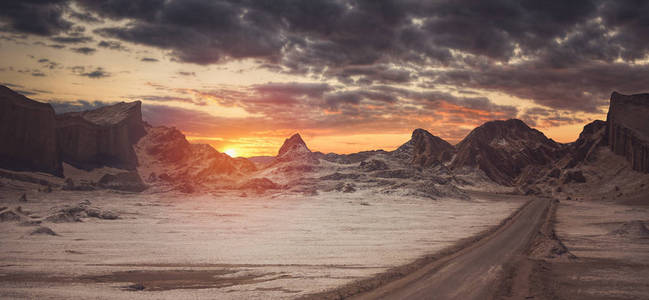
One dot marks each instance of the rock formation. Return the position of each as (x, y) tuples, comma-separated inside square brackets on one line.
[(628, 129), (295, 150), (503, 149), (101, 137), (27, 134), (166, 152), (429, 150), (583, 149)]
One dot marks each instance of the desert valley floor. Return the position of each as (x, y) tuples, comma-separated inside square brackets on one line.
[(226, 246)]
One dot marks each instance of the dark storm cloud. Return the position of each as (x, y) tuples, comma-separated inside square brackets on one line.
[(584, 87), (112, 45), (90, 72), (34, 16), (567, 55), (77, 39), (85, 17), (85, 50)]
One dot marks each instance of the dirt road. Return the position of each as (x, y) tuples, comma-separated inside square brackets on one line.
[(473, 272)]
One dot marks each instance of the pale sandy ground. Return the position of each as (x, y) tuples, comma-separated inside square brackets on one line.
[(226, 246), (608, 265)]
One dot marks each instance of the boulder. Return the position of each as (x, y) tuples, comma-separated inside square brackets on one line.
[(126, 181), (373, 165), (27, 134), (573, 176)]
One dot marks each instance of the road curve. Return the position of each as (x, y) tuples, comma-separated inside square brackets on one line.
[(473, 272)]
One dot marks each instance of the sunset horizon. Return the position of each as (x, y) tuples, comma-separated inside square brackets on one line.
[(324, 149)]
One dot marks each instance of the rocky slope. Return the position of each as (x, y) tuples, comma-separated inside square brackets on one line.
[(294, 149), (628, 128), (503, 150), (27, 134), (166, 157), (428, 150), (101, 137)]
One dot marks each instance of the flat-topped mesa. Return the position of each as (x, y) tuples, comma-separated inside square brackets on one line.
[(628, 128), (502, 149), (27, 134), (428, 149), (101, 137)]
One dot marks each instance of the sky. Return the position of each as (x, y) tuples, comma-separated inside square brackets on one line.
[(347, 75)]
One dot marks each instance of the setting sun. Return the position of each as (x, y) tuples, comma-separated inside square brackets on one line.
[(230, 152)]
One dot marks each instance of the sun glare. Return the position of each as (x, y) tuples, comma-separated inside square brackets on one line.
[(230, 152)]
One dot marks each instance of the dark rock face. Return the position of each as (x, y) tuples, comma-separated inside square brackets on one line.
[(573, 176), (373, 165), (628, 129), (503, 149), (583, 150), (27, 134), (293, 144), (429, 150), (294, 150), (101, 137), (126, 181)]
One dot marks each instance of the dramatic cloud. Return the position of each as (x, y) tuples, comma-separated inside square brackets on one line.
[(90, 72), (112, 45), (34, 16), (71, 39), (85, 50), (373, 65)]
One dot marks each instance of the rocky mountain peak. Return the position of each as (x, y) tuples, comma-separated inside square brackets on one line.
[(502, 149), (293, 144), (428, 149)]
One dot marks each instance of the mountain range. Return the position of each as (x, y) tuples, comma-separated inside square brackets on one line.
[(506, 153)]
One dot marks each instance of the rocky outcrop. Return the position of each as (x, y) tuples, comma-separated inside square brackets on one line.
[(166, 151), (294, 149), (584, 148), (628, 128), (429, 150), (503, 149), (125, 181), (27, 134), (101, 137)]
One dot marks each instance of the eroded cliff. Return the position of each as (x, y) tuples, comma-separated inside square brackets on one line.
[(27, 134), (628, 128)]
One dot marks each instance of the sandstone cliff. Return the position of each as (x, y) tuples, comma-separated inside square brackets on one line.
[(27, 134), (628, 128), (101, 137)]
